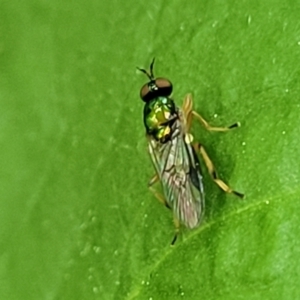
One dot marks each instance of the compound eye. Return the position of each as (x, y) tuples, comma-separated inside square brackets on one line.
[(164, 86), (144, 93)]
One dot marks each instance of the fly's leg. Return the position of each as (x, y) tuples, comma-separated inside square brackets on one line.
[(177, 229), (157, 194), (162, 200), (189, 113), (213, 173), (211, 128)]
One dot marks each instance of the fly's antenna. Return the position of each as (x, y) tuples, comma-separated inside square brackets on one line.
[(151, 68), (150, 75)]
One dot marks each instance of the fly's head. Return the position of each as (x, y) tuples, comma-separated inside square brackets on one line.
[(159, 110), (156, 87)]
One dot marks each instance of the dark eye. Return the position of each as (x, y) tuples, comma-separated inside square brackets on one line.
[(145, 92), (156, 88), (164, 86)]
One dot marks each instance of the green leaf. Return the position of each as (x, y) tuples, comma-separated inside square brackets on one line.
[(76, 218)]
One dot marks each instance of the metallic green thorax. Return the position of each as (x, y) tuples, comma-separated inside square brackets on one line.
[(157, 114)]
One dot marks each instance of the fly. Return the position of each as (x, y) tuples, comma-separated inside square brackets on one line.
[(174, 154)]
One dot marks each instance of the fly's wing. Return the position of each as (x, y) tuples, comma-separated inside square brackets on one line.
[(178, 167)]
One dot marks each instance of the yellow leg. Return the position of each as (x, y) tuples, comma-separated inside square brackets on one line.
[(213, 173), (189, 113), (157, 194), (162, 200), (187, 109)]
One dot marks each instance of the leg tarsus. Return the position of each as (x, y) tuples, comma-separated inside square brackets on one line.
[(235, 125), (177, 229)]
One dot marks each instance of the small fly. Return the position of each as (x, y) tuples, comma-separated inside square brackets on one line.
[(174, 154)]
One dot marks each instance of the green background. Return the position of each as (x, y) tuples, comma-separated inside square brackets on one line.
[(76, 218)]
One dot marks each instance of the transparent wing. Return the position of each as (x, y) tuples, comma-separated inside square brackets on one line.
[(178, 168)]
